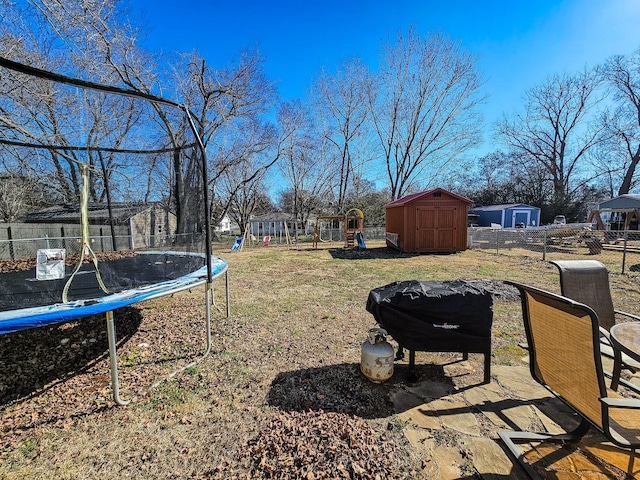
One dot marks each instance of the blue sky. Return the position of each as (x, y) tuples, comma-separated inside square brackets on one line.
[(519, 43)]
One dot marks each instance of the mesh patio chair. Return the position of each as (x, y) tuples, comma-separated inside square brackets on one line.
[(587, 281), (564, 356)]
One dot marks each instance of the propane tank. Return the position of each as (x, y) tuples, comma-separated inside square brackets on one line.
[(376, 361)]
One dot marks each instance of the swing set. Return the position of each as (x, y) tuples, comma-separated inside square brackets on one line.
[(352, 225), (249, 238)]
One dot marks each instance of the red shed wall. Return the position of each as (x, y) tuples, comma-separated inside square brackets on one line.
[(430, 224), (394, 221)]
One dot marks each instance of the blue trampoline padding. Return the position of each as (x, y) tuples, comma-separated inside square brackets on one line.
[(25, 318)]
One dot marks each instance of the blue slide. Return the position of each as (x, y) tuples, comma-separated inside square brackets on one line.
[(360, 240), (237, 244)]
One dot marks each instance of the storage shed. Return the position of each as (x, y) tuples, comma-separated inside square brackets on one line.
[(148, 224), (431, 221), (510, 215)]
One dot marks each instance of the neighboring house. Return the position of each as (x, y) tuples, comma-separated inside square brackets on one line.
[(507, 216), (225, 225), (431, 221), (147, 224), (276, 225), (623, 213)]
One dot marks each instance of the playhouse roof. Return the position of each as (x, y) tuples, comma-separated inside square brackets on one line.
[(627, 201), (415, 196)]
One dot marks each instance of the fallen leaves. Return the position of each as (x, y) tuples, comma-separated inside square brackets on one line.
[(316, 445)]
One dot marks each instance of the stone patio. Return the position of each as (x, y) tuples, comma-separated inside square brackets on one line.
[(457, 432)]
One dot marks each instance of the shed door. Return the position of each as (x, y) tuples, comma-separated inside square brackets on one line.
[(435, 229), (520, 216)]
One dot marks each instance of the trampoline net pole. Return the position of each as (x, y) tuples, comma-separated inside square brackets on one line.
[(226, 278)]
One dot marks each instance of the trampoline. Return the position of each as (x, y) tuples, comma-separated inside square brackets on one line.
[(26, 302), (104, 286)]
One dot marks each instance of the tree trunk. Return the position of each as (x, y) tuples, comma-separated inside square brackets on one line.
[(628, 176)]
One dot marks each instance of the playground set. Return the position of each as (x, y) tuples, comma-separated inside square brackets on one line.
[(352, 225)]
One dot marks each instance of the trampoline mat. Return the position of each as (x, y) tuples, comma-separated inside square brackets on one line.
[(20, 290)]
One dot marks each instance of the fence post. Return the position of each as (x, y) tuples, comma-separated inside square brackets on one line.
[(624, 251), (131, 240), (64, 242), (10, 238), (497, 241), (544, 246)]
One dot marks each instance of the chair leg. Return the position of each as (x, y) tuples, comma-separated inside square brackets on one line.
[(622, 381), (512, 439), (617, 369)]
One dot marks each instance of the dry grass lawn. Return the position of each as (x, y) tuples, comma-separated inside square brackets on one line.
[(279, 396)]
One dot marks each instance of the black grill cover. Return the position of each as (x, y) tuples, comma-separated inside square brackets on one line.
[(453, 316)]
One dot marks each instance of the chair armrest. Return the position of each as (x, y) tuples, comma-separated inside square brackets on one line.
[(612, 402), (625, 314)]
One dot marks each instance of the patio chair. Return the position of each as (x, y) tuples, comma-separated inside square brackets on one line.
[(587, 281), (564, 356)]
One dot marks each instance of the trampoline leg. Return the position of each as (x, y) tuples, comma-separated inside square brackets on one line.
[(115, 384), (208, 299), (213, 300)]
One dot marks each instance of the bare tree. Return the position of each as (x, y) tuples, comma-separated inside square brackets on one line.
[(244, 197), (341, 113), (553, 132), (213, 97), (231, 98), (17, 195), (623, 74), (306, 177), (248, 153), (424, 109), (43, 112)]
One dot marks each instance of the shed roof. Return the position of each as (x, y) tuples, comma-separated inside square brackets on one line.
[(98, 212), (627, 201), (506, 206), (414, 196)]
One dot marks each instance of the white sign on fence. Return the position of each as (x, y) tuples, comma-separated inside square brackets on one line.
[(50, 264)]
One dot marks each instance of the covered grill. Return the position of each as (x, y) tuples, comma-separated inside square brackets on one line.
[(453, 316)]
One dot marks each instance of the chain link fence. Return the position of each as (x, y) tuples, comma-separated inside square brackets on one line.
[(328, 233), (15, 249), (618, 249)]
